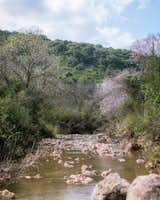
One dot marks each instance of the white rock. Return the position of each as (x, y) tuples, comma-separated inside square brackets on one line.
[(113, 187), (27, 177), (121, 160), (60, 161), (78, 179), (67, 165), (37, 176), (145, 188), (140, 161)]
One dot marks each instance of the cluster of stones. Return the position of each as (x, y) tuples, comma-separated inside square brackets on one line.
[(101, 146), (86, 176), (113, 187), (78, 179)]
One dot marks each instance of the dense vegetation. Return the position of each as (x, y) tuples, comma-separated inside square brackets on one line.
[(47, 87), (88, 62), (82, 61), (144, 88)]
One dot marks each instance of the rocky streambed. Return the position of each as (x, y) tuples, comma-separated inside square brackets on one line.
[(69, 167)]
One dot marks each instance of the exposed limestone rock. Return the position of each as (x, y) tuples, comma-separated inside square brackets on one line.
[(28, 177), (121, 160), (78, 179), (140, 161), (113, 187), (145, 188)]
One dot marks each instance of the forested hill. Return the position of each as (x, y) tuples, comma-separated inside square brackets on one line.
[(84, 61), (87, 61)]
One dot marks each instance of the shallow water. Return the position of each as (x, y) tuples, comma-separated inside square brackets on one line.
[(52, 185)]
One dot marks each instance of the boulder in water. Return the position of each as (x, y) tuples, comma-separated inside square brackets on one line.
[(113, 187), (145, 188)]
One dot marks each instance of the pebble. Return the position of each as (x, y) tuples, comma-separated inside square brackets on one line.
[(66, 164), (140, 161), (121, 160)]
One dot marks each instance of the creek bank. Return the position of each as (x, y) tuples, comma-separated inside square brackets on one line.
[(7, 172), (149, 151)]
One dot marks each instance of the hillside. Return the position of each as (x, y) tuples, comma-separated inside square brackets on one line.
[(82, 61), (88, 62)]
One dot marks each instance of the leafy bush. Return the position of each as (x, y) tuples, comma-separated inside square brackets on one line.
[(19, 129), (143, 109), (77, 122)]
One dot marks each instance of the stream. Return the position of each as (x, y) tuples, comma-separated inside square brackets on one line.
[(52, 185)]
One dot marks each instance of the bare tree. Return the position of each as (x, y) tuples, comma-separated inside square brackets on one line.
[(149, 46), (146, 53)]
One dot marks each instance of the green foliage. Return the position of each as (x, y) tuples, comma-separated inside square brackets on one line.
[(20, 124), (88, 62), (136, 123), (24, 68), (48, 87), (132, 85), (144, 89), (76, 122), (3, 36), (143, 108)]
